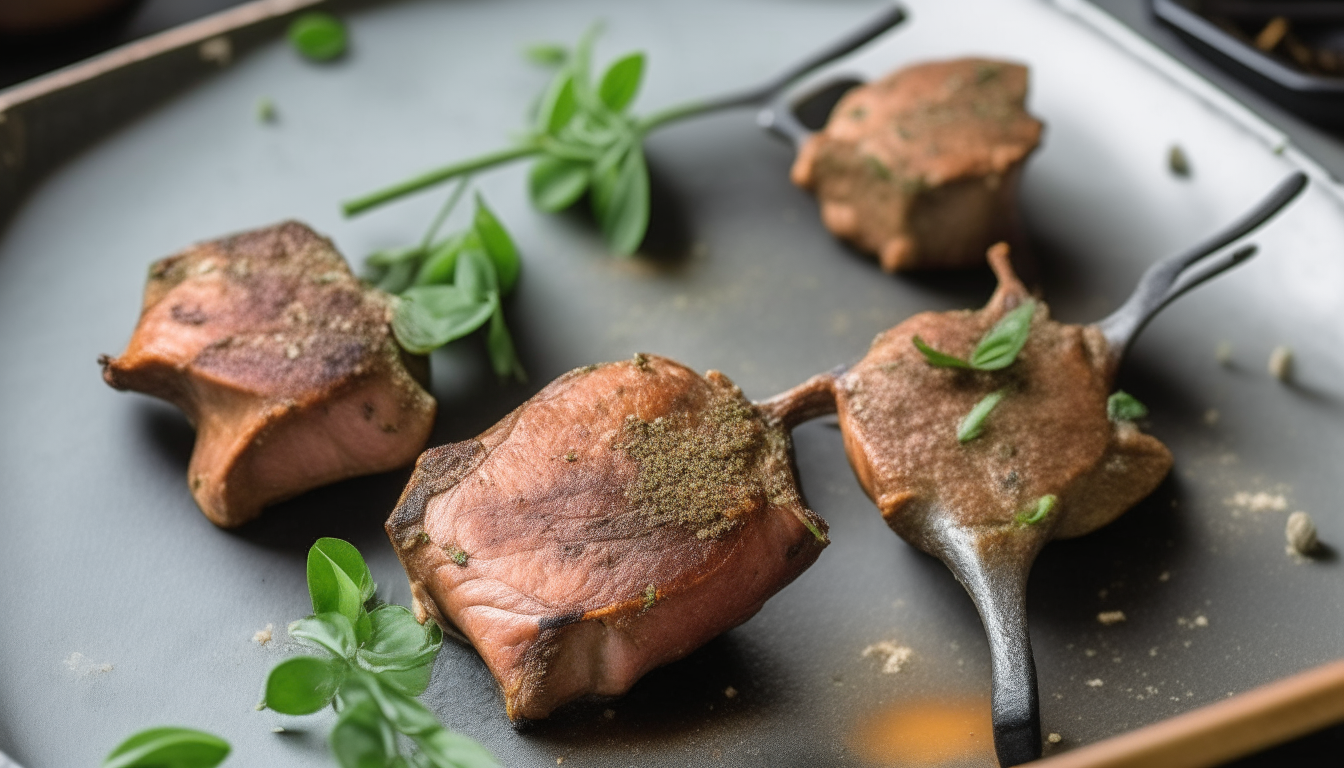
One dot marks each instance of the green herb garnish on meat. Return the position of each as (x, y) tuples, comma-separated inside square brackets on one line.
[(1122, 406), (997, 349), (1038, 511), (373, 663), (974, 423)]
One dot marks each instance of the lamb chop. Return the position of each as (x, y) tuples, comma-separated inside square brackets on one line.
[(284, 362), (621, 518), (980, 461), (921, 168)]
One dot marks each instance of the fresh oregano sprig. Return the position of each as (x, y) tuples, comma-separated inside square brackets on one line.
[(168, 747), (583, 140), (374, 664), (449, 287), (997, 349)]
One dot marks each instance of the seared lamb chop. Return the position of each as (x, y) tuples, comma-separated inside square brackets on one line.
[(1055, 457), (283, 361), (618, 520), (921, 168)]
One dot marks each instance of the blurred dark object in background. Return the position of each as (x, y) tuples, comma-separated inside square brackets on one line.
[(38, 36), (1292, 51)]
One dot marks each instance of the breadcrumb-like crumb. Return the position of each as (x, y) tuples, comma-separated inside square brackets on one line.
[(1107, 618), (264, 636), (894, 656), (1281, 363)]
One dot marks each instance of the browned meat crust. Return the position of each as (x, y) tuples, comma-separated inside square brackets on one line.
[(284, 363), (618, 520), (1049, 436), (921, 168)]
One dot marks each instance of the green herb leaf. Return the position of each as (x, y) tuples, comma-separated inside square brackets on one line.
[(403, 712), (427, 317), (620, 83), (318, 36), (622, 203), (498, 246), (400, 652), (399, 273), (558, 105), (999, 348), (332, 631), (547, 54), (302, 685), (1122, 406), (557, 183), (439, 266), (362, 739), (503, 356), (476, 275), (580, 64), (168, 747), (445, 749), (1038, 511), (974, 423), (940, 359), (338, 579)]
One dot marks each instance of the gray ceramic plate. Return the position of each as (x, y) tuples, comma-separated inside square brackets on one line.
[(123, 607)]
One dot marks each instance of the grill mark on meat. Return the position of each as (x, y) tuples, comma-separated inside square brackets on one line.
[(436, 471)]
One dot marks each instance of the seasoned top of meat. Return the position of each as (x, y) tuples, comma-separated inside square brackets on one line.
[(920, 167), (1048, 436), (617, 520), (283, 361)]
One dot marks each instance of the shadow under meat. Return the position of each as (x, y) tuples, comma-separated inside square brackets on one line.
[(668, 702)]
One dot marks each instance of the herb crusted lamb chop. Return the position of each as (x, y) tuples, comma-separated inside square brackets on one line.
[(283, 361), (921, 168), (616, 521)]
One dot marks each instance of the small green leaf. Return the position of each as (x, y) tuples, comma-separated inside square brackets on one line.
[(476, 275), (620, 83), (400, 275), (547, 54), (622, 204), (332, 631), (439, 266), (503, 356), (168, 747), (998, 349), (446, 749), (1038, 511), (558, 106), (318, 36), (403, 712), (974, 423), (940, 359), (580, 64), (400, 651), (361, 738), (338, 578), (556, 183), (427, 317), (498, 246), (1122, 406), (301, 685)]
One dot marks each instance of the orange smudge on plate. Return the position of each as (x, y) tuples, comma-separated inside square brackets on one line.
[(924, 733)]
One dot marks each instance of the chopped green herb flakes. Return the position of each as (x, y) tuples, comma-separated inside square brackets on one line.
[(1122, 406), (1038, 511), (974, 423), (997, 349)]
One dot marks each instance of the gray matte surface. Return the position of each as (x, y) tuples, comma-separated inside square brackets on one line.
[(105, 560)]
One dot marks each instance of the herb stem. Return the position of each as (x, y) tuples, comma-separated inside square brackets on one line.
[(687, 110), (437, 176), (445, 212)]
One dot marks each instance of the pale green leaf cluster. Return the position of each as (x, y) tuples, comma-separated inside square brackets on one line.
[(374, 663), (449, 287)]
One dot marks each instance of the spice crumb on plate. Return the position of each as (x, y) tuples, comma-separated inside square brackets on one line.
[(1095, 683), (1107, 618), (264, 635), (1054, 738), (1281, 363), (1211, 417), (894, 656), (730, 692), (1301, 534)]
